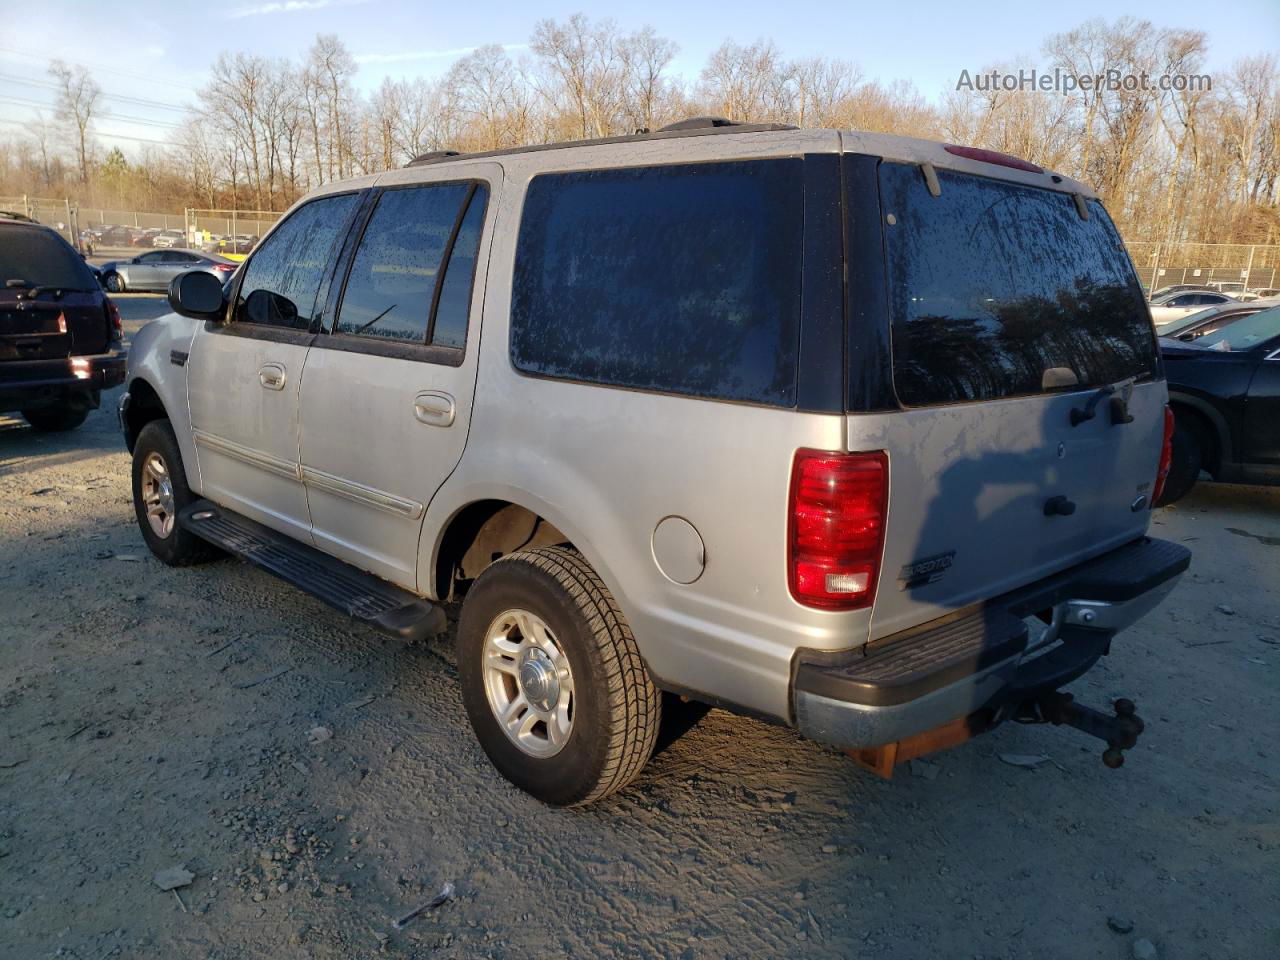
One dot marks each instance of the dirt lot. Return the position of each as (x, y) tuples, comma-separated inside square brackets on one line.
[(152, 717)]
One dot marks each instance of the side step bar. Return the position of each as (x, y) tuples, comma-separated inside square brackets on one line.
[(342, 586)]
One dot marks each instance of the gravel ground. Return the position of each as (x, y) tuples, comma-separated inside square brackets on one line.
[(320, 780)]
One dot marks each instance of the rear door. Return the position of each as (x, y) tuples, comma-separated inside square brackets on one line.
[(386, 394), (1009, 313)]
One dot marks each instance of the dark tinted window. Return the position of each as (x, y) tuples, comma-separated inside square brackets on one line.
[(284, 274), (393, 276), (684, 279), (1000, 290), (41, 258), (455, 293)]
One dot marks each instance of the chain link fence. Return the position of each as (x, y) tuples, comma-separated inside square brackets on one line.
[(232, 233), (1230, 267)]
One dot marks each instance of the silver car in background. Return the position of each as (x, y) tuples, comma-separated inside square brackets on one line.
[(154, 270)]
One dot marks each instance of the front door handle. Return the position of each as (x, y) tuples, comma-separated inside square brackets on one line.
[(272, 376), (434, 408)]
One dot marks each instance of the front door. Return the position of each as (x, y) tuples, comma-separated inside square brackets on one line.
[(243, 377), (386, 394)]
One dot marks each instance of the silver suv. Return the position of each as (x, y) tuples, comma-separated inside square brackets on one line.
[(856, 433)]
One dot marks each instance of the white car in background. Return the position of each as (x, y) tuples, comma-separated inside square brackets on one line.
[(1173, 306), (167, 238)]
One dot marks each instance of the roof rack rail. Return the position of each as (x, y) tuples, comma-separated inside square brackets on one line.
[(693, 127), (698, 123), (431, 156)]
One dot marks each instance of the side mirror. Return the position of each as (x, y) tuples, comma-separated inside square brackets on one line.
[(197, 295)]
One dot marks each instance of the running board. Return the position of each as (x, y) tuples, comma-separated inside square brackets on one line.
[(344, 587)]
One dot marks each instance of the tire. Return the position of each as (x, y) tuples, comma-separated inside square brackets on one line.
[(114, 282), (57, 419), (169, 542), (615, 710), (1186, 463)]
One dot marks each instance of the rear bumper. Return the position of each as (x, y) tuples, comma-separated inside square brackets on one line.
[(24, 382), (929, 675)]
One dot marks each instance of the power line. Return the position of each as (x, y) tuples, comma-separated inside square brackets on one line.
[(96, 66), (109, 136), (140, 101), (115, 116)]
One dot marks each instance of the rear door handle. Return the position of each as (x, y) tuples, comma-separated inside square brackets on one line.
[(434, 408), (272, 376)]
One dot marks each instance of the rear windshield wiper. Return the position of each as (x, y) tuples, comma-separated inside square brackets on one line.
[(1119, 394)]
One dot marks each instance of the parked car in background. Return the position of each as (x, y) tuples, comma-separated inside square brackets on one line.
[(1161, 292), (167, 238), (1187, 327), (60, 335), (154, 270), (1224, 390), (116, 236), (143, 237), (866, 569), (240, 243), (1171, 306)]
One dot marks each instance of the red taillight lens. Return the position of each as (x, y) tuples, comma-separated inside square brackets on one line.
[(836, 535), (115, 326), (1166, 457), (223, 267), (992, 156)]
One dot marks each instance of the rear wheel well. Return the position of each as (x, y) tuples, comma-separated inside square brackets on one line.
[(144, 406), (1197, 422), (481, 533)]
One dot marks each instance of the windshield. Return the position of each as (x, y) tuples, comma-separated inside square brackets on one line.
[(1245, 333), (40, 258), (1002, 290)]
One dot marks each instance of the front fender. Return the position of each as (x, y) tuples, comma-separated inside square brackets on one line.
[(151, 359)]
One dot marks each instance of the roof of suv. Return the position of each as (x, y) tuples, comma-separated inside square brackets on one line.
[(706, 139)]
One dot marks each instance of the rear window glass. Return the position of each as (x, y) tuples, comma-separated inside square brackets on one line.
[(681, 279), (1001, 290), (41, 258)]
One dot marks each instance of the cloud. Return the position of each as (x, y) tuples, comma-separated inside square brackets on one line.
[(289, 6), (426, 54)]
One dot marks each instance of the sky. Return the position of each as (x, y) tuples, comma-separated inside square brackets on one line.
[(151, 57)]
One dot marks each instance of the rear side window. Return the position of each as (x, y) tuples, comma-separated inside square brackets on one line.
[(404, 258), (680, 279), (1002, 290), (283, 276), (39, 257)]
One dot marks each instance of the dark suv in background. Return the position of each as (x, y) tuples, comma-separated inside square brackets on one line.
[(60, 336)]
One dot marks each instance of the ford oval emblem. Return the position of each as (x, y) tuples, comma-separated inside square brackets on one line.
[(1062, 451)]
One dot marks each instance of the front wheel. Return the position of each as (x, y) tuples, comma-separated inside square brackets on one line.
[(552, 678), (160, 491), (114, 282)]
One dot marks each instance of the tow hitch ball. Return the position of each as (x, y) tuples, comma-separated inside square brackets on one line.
[(1120, 731)]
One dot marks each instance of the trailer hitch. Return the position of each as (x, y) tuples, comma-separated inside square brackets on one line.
[(1120, 731)]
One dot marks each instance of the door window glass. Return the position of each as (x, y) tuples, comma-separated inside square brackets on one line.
[(454, 306), (394, 275), (284, 274)]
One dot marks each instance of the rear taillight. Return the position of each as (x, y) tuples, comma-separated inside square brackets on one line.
[(836, 529), (992, 156), (223, 267), (115, 326), (1166, 457)]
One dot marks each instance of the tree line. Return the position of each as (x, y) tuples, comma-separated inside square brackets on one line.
[(1197, 163)]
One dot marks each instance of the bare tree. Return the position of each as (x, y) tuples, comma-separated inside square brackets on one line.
[(77, 107)]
